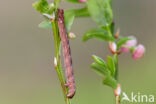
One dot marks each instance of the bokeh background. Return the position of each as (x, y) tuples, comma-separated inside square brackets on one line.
[(27, 75)]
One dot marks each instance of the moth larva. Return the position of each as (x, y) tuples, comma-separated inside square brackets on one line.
[(67, 54)]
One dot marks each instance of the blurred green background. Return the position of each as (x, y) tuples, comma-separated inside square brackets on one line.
[(27, 75)]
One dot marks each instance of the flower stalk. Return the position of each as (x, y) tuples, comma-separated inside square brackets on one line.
[(115, 53), (118, 90), (117, 99)]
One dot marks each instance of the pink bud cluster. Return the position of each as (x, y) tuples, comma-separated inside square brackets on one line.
[(82, 1), (117, 91), (131, 45)]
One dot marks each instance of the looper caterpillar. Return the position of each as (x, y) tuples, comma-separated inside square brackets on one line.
[(67, 55)]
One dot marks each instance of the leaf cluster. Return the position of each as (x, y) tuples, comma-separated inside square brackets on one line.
[(105, 70)]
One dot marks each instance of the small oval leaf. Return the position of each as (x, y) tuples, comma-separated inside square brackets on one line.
[(102, 71), (73, 1), (122, 41), (110, 81), (45, 24), (97, 34), (69, 18), (111, 65), (41, 6), (99, 61)]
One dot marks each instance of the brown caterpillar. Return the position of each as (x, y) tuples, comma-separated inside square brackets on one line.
[(67, 55)]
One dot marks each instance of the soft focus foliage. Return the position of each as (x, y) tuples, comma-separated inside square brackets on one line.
[(100, 11)]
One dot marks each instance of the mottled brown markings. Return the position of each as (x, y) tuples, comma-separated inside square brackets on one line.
[(67, 55)]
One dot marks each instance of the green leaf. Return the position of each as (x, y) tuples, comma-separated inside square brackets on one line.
[(98, 34), (112, 27), (51, 8), (41, 6), (101, 11), (83, 12), (99, 61), (72, 13), (111, 2), (111, 65), (122, 41), (111, 82), (45, 24), (102, 71), (73, 1), (69, 18)]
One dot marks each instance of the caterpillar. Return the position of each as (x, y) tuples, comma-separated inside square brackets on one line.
[(67, 54)]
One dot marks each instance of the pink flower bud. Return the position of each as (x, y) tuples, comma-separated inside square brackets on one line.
[(138, 52), (82, 1), (72, 35), (117, 92), (55, 62), (129, 44), (113, 47)]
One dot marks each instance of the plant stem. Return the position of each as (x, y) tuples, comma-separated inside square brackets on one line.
[(57, 41), (58, 67), (56, 3), (116, 66), (117, 99), (116, 76)]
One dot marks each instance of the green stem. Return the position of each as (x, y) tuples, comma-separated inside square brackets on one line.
[(58, 67), (109, 31), (56, 3), (116, 65), (116, 75), (116, 62), (117, 99), (57, 41)]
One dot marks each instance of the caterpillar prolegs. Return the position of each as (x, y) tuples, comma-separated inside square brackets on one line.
[(67, 55)]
